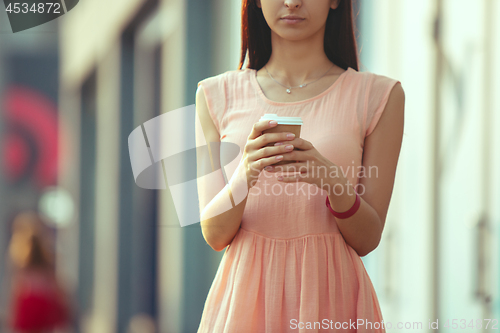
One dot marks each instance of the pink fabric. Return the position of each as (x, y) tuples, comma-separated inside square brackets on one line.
[(288, 263)]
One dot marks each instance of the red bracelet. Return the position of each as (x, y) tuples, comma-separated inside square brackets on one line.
[(347, 213)]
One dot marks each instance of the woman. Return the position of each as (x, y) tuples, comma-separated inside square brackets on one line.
[(293, 244), (39, 304)]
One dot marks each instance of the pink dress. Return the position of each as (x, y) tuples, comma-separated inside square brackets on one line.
[(289, 269)]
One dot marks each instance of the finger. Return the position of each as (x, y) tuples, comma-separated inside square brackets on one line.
[(296, 155), (301, 144), (272, 138), (267, 151), (268, 161), (260, 126)]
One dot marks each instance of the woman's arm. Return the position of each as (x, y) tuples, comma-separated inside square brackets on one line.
[(363, 230), (218, 230)]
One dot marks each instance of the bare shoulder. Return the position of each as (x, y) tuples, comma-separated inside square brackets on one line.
[(397, 93), (394, 110)]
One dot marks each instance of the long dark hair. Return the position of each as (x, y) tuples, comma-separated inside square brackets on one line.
[(340, 42)]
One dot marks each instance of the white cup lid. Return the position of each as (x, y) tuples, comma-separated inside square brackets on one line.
[(282, 120)]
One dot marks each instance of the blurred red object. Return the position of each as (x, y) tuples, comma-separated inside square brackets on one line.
[(38, 302), (30, 140)]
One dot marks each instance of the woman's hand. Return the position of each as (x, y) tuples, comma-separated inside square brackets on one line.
[(314, 168), (256, 156)]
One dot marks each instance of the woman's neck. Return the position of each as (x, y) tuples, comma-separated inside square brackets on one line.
[(296, 61)]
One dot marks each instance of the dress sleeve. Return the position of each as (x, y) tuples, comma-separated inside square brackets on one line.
[(378, 92), (214, 88)]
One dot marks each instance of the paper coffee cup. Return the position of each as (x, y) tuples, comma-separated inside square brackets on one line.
[(285, 124)]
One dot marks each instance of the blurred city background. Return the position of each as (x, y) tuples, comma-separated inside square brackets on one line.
[(73, 89)]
